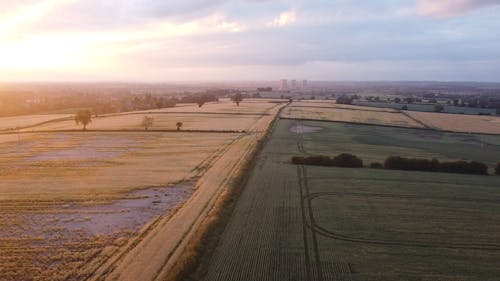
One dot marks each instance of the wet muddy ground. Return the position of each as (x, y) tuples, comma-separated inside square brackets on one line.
[(303, 129), (40, 242)]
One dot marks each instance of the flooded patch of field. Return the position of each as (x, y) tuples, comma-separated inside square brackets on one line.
[(303, 129), (72, 234)]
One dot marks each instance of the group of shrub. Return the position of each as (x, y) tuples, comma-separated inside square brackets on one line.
[(398, 163), (459, 167), (343, 160)]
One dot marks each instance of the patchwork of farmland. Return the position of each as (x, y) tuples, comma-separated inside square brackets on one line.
[(214, 116), (324, 223), (77, 205), (163, 121), (329, 111)]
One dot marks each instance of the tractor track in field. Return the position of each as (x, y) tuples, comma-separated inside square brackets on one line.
[(421, 244), (304, 224), (322, 270), (307, 215), (316, 228), (402, 196), (311, 229)]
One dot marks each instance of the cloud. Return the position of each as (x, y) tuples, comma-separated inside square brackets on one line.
[(284, 18), (451, 8), (27, 13), (146, 39)]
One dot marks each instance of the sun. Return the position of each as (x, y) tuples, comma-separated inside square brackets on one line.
[(40, 53)]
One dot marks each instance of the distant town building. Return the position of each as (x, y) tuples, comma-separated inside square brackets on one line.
[(294, 84), (265, 89), (284, 85), (304, 84)]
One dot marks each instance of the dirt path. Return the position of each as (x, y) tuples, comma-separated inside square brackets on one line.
[(156, 252)]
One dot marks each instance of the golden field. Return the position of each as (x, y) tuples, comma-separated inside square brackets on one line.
[(344, 114), (161, 121), (214, 116), (97, 166), (459, 122), (330, 111), (121, 203), (18, 122), (333, 104), (72, 201)]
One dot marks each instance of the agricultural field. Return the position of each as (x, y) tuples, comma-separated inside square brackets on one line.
[(44, 165), (458, 122), (295, 222), (215, 116), (351, 115), (18, 122), (74, 205), (162, 121), (248, 106), (333, 104)]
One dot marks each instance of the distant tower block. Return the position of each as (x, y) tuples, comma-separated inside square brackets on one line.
[(304, 84), (294, 84), (283, 85)]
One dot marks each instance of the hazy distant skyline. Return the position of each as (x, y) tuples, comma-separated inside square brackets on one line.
[(148, 40)]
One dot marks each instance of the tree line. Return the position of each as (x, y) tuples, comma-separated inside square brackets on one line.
[(342, 160), (433, 165), (104, 103), (398, 163)]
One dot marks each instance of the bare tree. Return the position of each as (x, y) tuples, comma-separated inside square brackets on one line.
[(147, 122), (84, 117), (237, 98), (438, 108), (179, 125)]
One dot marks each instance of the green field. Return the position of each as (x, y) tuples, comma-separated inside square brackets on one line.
[(323, 223)]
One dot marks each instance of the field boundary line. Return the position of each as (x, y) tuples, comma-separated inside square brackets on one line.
[(179, 112), (345, 108), (417, 120), (126, 131), (13, 130), (304, 223), (304, 188)]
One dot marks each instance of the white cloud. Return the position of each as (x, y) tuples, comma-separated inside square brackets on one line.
[(451, 8), (26, 14), (284, 18)]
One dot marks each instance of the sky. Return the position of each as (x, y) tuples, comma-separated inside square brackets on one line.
[(241, 40)]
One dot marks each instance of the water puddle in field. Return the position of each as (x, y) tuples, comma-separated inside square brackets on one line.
[(303, 129), (125, 215), (129, 214)]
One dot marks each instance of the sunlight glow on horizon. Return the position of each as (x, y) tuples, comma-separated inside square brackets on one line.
[(262, 39), (86, 50)]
